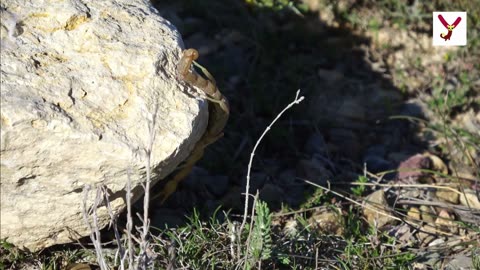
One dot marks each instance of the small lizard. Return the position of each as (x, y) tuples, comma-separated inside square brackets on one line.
[(219, 111)]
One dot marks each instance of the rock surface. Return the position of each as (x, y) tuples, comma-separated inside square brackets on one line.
[(376, 209), (81, 83)]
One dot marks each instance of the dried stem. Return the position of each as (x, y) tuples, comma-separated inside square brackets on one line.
[(113, 223), (297, 100), (95, 235), (129, 222), (144, 260)]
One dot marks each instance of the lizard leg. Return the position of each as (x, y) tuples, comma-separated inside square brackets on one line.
[(172, 184)]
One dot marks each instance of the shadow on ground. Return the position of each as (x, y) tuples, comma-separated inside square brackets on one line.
[(260, 57)]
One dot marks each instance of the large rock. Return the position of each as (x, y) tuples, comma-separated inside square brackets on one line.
[(81, 81)]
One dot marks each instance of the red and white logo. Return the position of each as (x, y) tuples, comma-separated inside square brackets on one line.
[(449, 28)]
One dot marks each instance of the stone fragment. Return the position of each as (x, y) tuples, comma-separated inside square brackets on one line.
[(416, 108), (471, 121), (447, 196), (314, 171), (377, 164), (437, 164), (432, 260), (404, 233), (414, 214), (470, 199), (376, 210), (328, 221), (446, 222), (428, 215), (460, 262), (410, 170), (291, 227), (436, 242), (427, 234)]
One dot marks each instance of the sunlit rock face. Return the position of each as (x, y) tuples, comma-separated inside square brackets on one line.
[(81, 84)]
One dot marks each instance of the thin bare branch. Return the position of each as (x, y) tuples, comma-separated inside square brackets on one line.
[(296, 101)]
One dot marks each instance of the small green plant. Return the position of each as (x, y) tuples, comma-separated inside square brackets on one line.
[(360, 189), (261, 237), (369, 249), (197, 244), (295, 6), (476, 259), (284, 259), (317, 198), (10, 255), (445, 101), (374, 25)]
